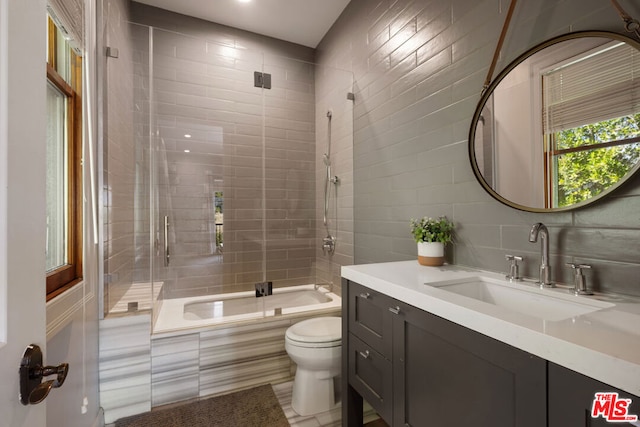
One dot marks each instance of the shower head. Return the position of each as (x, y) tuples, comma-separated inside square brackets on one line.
[(329, 114), (326, 160)]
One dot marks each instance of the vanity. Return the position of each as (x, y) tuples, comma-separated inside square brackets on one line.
[(424, 351)]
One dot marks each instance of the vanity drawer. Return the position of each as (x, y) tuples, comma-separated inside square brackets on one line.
[(370, 374), (370, 319)]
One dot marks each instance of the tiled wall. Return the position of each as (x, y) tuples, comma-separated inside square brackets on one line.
[(335, 137), (419, 67)]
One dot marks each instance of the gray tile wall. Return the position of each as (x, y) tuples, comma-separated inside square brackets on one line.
[(332, 87), (419, 67)]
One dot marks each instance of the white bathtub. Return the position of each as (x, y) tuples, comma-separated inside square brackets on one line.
[(201, 312)]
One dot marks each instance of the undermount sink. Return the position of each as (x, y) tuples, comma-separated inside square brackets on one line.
[(522, 297)]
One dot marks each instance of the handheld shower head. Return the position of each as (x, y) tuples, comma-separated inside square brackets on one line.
[(326, 160)]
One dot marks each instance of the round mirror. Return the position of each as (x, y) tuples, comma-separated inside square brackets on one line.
[(560, 126)]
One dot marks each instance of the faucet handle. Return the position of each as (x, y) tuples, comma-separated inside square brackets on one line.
[(514, 275), (579, 281)]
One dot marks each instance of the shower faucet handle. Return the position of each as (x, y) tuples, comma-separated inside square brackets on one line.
[(329, 245)]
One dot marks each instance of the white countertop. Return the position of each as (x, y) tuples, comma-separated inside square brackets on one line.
[(604, 345)]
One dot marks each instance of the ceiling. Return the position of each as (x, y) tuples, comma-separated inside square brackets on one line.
[(303, 22)]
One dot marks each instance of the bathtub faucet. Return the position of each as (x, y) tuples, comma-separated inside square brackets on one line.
[(329, 286), (264, 289)]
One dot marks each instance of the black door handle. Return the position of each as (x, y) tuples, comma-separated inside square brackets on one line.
[(32, 389)]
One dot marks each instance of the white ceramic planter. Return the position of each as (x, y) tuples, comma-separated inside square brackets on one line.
[(431, 253)]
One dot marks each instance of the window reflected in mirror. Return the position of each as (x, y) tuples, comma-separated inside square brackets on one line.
[(591, 127)]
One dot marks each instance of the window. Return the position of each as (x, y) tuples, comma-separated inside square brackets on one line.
[(592, 123), (64, 176)]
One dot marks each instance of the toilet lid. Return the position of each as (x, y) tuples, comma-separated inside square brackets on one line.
[(316, 330)]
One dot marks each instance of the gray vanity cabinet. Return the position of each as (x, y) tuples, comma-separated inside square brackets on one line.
[(370, 347), (571, 398), (447, 375), (419, 370)]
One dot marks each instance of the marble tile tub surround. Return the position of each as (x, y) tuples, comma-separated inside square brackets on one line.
[(603, 344), (125, 365), (419, 66), (221, 359), (139, 370)]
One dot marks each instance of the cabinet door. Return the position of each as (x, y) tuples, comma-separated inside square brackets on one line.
[(446, 375), (370, 318), (571, 397)]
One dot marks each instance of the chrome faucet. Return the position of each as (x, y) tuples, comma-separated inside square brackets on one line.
[(545, 268)]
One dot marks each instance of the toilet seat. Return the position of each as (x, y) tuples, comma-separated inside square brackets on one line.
[(316, 332)]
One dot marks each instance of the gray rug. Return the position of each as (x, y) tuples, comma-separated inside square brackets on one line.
[(256, 407)]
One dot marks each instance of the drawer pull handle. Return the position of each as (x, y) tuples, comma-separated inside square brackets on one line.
[(395, 310), (364, 354), (365, 295)]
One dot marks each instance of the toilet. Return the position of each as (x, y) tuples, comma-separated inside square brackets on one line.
[(315, 346)]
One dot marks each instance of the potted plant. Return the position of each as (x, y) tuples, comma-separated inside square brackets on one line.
[(431, 236)]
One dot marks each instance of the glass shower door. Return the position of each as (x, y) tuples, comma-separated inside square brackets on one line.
[(207, 196)]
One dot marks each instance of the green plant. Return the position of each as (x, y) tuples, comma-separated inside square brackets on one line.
[(432, 230)]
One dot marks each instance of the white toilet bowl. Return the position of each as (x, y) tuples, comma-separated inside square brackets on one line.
[(315, 346)]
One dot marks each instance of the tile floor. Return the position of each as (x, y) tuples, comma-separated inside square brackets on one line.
[(332, 418)]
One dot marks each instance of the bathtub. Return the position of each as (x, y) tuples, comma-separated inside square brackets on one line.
[(178, 314)]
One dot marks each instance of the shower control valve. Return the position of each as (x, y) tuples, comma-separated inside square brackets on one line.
[(329, 245)]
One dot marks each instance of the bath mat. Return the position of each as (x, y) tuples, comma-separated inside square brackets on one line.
[(248, 408)]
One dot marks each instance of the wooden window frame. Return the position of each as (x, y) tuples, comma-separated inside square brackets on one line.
[(68, 275)]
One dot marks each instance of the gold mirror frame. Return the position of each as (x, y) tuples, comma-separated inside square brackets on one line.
[(489, 91)]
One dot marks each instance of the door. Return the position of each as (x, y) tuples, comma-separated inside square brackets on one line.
[(22, 199)]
